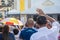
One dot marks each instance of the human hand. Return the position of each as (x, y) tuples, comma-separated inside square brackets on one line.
[(40, 12)]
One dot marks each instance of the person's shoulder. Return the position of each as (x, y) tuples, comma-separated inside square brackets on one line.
[(55, 23), (37, 35), (34, 36), (31, 29), (26, 29), (11, 34), (0, 34), (23, 31), (34, 30)]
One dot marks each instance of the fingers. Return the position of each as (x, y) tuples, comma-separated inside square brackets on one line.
[(40, 11)]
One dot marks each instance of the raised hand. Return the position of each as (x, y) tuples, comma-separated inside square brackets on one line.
[(40, 12)]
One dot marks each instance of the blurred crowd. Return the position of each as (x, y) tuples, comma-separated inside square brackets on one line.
[(41, 27)]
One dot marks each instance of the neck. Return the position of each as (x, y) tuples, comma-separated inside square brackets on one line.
[(30, 26)]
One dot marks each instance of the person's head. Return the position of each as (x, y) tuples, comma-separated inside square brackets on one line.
[(5, 32), (41, 21), (30, 22), (35, 17), (5, 29), (15, 31), (26, 25)]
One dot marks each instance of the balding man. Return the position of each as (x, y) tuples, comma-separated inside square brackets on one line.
[(28, 31)]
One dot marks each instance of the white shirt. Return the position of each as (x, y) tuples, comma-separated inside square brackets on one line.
[(46, 34)]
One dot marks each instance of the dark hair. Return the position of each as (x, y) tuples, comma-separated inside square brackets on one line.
[(15, 31), (1, 29), (41, 20), (26, 24), (35, 17), (5, 32)]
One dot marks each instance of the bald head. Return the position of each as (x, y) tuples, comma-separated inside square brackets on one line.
[(30, 22)]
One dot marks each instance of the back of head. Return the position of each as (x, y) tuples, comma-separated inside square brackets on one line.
[(41, 20), (15, 31), (6, 28), (5, 32), (35, 17)]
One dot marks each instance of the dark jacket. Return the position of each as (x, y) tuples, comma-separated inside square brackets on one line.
[(10, 37)]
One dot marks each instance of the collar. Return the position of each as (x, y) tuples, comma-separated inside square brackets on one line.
[(43, 28)]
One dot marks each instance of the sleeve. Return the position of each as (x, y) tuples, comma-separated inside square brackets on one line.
[(21, 35), (55, 30), (55, 23)]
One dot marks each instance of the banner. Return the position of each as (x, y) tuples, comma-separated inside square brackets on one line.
[(22, 5)]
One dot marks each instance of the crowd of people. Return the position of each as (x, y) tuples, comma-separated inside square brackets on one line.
[(43, 27)]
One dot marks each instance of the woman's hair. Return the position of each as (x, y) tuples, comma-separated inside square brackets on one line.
[(5, 32), (1, 29)]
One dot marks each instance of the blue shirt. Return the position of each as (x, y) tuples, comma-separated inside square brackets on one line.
[(0, 36), (11, 36), (26, 33)]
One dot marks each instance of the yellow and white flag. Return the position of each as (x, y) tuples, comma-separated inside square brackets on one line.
[(22, 5), (25, 4)]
